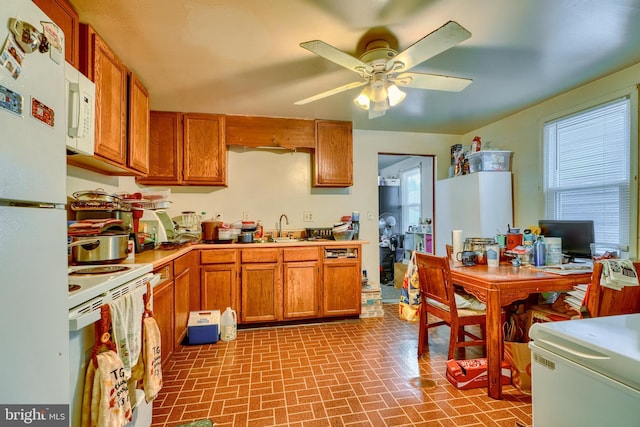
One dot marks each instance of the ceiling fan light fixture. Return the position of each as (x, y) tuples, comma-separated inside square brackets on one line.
[(396, 96), (378, 90), (363, 100)]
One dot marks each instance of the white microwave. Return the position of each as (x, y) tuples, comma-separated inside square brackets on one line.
[(80, 106)]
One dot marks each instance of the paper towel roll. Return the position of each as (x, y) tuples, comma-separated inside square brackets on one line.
[(458, 245)]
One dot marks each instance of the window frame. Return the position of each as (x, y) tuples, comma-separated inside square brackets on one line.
[(632, 94)]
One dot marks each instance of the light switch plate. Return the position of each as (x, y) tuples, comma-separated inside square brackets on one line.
[(307, 216)]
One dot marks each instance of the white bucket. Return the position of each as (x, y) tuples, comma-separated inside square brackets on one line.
[(553, 253)]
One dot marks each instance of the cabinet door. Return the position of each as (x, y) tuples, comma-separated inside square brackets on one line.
[(301, 290), (65, 17), (261, 292), (138, 157), (219, 287), (341, 288), (182, 283), (333, 157), (110, 77), (163, 313), (165, 148), (204, 150)]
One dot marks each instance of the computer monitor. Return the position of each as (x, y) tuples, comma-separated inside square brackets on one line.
[(576, 235)]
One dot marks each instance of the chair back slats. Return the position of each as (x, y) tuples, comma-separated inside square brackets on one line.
[(434, 274)]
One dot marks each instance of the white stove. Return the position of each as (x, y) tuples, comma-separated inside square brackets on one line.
[(91, 286)]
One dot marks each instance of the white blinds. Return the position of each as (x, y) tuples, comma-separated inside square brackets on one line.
[(586, 169)]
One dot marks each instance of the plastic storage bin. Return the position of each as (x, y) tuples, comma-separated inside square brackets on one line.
[(489, 160)]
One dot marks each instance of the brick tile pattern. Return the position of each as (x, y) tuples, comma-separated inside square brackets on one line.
[(357, 373)]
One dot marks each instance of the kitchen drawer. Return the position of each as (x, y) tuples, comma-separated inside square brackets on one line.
[(260, 255), (181, 264), (300, 254), (218, 256), (165, 272)]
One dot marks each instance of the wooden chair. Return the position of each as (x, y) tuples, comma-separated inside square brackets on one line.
[(449, 249), (602, 301), (438, 299)]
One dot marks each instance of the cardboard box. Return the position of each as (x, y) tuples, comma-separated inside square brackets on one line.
[(472, 373), (203, 327)]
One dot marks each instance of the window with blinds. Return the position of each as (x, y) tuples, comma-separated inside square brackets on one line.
[(587, 169), (410, 190)]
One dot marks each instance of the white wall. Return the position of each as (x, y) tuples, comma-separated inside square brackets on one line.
[(521, 133), (266, 184)]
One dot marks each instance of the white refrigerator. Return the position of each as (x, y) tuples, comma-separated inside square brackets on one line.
[(586, 372), (480, 204), (34, 361)]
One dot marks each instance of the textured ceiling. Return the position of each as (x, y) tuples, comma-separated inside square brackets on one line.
[(243, 56)]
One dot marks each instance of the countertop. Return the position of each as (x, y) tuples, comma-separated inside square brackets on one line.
[(158, 257)]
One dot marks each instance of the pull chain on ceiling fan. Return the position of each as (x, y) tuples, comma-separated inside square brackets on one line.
[(383, 70)]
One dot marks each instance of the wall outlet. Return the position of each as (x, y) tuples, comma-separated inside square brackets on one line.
[(370, 216), (245, 216), (307, 216), (219, 216)]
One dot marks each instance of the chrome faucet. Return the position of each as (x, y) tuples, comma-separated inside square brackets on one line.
[(280, 224)]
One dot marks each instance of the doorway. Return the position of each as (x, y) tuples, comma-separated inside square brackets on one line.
[(405, 202)]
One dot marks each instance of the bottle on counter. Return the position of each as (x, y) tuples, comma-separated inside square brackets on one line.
[(259, 230), (355, 224), (539, 252)]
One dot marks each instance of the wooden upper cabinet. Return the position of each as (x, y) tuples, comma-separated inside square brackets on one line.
[(138, 144), (100, 64), (186, 149), (65, 17), (205, 150), (274, 132), (333, 157), (165, 148)]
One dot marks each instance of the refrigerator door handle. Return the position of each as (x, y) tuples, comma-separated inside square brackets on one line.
[(593, 355)]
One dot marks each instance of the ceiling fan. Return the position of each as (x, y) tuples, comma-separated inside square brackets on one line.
[(382, 69)]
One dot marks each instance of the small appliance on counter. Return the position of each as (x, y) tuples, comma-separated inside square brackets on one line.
[(158, 226)]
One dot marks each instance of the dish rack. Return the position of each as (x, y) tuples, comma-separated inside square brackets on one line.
[(319, 233)]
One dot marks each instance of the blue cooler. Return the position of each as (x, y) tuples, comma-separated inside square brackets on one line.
[(203, 327)]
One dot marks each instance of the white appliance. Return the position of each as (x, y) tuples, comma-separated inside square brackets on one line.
[(34, 365), (91, 287), (80, 101), (586, 372), (479, 204)]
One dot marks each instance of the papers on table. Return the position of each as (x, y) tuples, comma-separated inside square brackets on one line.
[(569, 268)]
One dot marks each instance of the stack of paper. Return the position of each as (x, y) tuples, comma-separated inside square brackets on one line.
[(575, 298)]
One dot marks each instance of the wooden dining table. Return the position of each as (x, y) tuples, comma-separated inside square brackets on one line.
[(498, 287)]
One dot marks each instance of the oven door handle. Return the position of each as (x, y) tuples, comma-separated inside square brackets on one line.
[(91, 316)]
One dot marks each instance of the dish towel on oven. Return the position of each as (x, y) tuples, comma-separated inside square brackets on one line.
[(126, 326), (152, 356), (105, 400), (618, 273)]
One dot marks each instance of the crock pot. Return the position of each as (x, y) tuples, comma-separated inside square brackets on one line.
[(105, 248)]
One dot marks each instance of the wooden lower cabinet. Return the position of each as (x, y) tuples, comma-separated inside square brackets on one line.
[(182, 268), (261, 292), (301, 283), (219, 279), (340, 296), (163, 303), (261, 285)]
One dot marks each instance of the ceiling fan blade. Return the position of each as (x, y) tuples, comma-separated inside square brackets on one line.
[(337, 56), (431, 81), (445, 37), (333, 91)]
